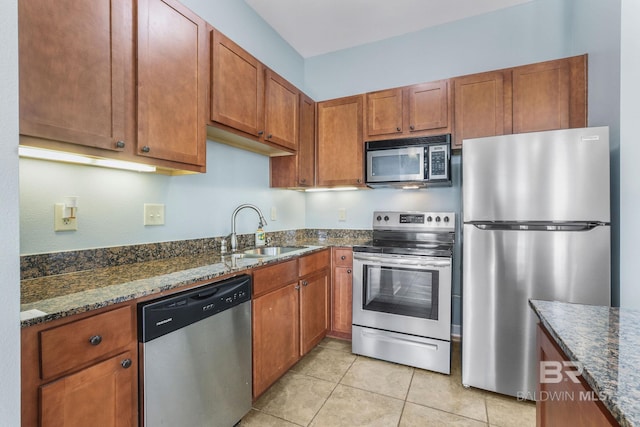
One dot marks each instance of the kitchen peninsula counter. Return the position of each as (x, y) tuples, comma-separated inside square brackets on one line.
[(56, 296), (606, 341)]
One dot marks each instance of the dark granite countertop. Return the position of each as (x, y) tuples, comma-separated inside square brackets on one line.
[(52, 297), (606, 341)]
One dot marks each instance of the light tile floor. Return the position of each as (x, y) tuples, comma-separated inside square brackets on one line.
[(331, 387)]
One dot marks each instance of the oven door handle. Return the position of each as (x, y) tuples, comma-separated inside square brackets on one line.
[(389, 261)]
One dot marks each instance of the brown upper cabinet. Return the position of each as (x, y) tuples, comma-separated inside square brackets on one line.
[(550, 95), (252, 101), (422, 109), (482, 105), (172, 109), (298, 171), (340, 146), (75, 63), (537, 97), (78, 89)]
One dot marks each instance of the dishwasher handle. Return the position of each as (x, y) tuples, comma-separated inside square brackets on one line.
[(165, 315)]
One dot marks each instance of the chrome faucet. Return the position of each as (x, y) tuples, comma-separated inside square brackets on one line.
[(234, 239)]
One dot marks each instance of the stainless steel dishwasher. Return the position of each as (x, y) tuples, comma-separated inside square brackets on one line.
[(196, 356)]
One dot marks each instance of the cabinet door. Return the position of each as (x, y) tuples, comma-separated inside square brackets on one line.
[(384, 112), (549, 95), (482, 105), (340, 144), (314, 310), (237, 87), (428, 106), (275, 336), (172, 90), (564, 412), (281, 111), (341, 299), (75, 62), (100, 395), (298, 170)]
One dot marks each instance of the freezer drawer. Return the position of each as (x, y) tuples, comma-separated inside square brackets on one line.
[(502, 270)]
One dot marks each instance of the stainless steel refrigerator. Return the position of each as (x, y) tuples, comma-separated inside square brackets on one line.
[(536, 225)]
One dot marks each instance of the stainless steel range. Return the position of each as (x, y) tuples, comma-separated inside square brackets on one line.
[(402, 290)]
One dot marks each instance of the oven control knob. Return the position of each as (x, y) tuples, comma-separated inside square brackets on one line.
[(437, 219), (379, 218), (446, 219), (429, 219), (386, 218)]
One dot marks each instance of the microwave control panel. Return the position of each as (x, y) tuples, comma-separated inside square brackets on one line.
[(438, 161)]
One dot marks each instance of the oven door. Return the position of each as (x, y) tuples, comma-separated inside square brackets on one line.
[(402, 293)]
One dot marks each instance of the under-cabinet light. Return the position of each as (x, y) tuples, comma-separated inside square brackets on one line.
[(60, 156), (312, 190)]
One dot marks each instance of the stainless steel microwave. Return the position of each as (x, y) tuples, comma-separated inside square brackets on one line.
[(409, 162)]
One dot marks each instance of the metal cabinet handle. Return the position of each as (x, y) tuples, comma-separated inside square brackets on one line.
[(120, 144), (95, 340), (412, 127), (269, 136), (303, 180), (398, 129), (305, 283), (359, 181), (146, 149), (126, 363), (349, 271), (297, 287), (343, 257), (260, 132)]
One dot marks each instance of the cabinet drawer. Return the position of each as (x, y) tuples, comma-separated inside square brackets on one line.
[(72, 345), (314, 262), (273, 277), (342, 257)]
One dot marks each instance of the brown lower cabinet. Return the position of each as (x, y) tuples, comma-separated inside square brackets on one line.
[(81, 370), (341, 292), (290, 315), (565, 402)]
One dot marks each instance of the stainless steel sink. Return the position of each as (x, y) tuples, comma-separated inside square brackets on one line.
[(266, 251)]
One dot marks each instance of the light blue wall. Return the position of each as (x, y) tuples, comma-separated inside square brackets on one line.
[(629, 156), (532, 32), (110, 211), (9, 249), (595, 28), (243, 25)]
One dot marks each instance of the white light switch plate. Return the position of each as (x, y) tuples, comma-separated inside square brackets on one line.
[(153, 214), (274, 213), (342, 214)]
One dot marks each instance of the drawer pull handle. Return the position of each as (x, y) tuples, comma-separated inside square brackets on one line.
[(349, 271), (126, 363), (146, 149), (305, 283), (95, 340), (343, 257)]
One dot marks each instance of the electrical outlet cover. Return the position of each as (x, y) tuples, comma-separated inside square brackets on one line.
[(60, 223)]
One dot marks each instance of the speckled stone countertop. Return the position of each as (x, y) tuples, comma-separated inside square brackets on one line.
[(51, 297), (606, 340)]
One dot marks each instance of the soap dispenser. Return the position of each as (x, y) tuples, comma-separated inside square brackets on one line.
[(260, 236)]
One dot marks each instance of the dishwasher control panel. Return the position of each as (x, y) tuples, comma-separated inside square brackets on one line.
[(165, 315)]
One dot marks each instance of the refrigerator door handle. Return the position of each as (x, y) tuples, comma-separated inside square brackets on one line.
[(526, 226)]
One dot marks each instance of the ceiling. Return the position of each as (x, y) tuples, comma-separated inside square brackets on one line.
[(315, 27)]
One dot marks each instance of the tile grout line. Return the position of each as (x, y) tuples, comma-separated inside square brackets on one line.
[(334, 388)]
